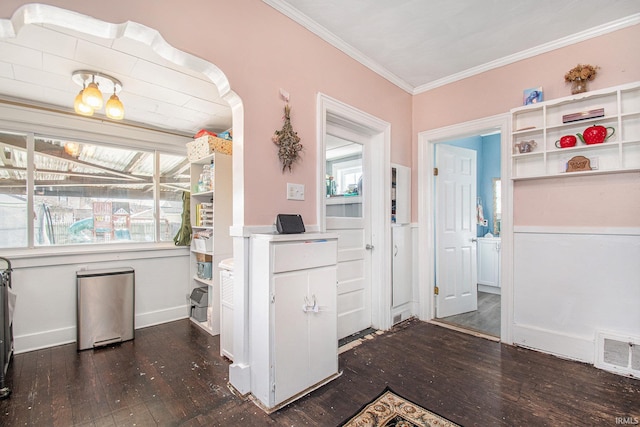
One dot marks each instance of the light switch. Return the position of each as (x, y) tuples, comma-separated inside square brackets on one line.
[(295, 191)]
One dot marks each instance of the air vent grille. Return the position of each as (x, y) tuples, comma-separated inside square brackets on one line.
[(618, 353)]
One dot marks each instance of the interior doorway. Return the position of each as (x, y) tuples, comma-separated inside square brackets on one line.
[(495, 125), (473, 226), (354, 145)]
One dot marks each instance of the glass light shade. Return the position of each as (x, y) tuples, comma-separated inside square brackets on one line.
[(72, 148), (92, 96), (114, 108), (80, 107)]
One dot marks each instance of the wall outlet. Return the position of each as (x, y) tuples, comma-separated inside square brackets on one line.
[(295, 191)]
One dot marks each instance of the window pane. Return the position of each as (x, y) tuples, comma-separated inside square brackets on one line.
[(88, 193), (344, 178), (174, 180), (13, 191)]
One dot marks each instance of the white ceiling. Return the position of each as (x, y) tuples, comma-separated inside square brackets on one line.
[(416, 44), (37, 64), (422, 44)]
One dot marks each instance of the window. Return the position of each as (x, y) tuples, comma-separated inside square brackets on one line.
[(13, 190), (347, 176), (87, 193)]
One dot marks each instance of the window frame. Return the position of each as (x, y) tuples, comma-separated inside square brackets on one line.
[(35, 122)]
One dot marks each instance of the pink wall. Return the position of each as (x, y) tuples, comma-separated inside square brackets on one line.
[(551, 202), (260, 51)]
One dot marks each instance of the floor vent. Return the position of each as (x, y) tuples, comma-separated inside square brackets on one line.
[(618, 353)]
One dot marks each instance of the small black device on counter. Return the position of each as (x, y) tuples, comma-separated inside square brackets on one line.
[(289, 224)]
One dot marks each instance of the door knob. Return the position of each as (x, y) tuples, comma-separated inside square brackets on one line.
[(368, 247)]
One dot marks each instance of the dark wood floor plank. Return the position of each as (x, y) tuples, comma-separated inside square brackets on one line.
[(172, 375)]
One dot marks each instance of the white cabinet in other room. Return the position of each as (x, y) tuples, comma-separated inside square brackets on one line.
[(489, 262), (294, 335)]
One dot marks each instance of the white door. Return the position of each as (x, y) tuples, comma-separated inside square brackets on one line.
[(347, 213), (455, 219)]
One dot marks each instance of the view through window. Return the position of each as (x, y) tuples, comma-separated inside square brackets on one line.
[(87, 193)]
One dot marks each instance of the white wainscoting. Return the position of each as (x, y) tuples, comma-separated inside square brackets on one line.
[(570, 283), (45, 312)]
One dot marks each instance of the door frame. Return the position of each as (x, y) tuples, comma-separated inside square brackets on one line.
[(426, 222), (376, 133)]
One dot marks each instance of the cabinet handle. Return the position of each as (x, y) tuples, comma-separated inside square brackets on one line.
[(474, 240), (395, 250), (310, 306), (368, 247)]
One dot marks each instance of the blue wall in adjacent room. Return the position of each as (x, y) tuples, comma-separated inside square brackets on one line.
[(488, 168)]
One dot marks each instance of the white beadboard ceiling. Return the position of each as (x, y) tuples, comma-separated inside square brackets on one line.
[(37, 64), (423, 44), (416, 44)]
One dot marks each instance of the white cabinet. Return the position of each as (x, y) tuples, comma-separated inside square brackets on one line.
[(400, 194), (401, 285), (293, 297), (401, 265), (543, 123), (211, 216), (489, 261)]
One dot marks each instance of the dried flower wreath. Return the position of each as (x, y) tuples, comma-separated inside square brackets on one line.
[(288, 141)]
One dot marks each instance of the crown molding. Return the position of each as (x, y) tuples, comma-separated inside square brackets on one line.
[(285, 8), (326, 35), (529, 53)]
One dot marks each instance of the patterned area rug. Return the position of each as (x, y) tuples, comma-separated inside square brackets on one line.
[(391, 410)]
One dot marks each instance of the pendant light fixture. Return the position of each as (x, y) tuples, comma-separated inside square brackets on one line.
[(80, 107), (114, 108), (91, 98)]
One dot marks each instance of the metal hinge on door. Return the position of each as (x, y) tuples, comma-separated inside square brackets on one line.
[(436, 290), (273, 298), (435, 171)]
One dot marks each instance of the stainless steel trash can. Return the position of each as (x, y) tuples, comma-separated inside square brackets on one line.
[(105, 312)]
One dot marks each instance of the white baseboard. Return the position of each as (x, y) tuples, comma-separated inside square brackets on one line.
[(489, 289), (45, 339), (55, 337), (572, 347), (401, 313), (152, 318)]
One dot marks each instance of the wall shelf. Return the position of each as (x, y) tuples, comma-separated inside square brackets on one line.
[(543, 123)]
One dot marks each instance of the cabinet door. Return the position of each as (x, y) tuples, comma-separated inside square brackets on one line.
[(401, 253), (488, 262), (305, 342), (323, 325), (290, 334)]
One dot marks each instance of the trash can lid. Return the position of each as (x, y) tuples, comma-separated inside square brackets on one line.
[(226, 264)]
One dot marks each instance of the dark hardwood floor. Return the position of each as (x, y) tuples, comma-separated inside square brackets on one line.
[(172, 375)]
